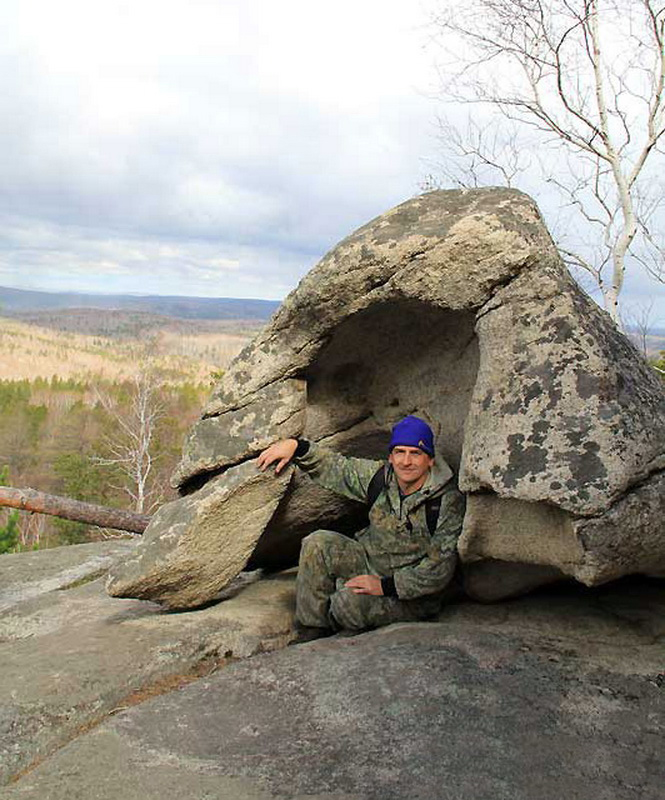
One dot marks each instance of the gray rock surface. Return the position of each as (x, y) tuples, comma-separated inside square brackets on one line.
[(195, 546), (490, 580), (27, 575), (70, 654), (625, 539), (277, 410), (454, 306), (564, 409), (558, 694)]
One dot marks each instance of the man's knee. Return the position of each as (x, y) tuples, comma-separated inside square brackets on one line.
[(336, 551), (351, 611), (320, 540)]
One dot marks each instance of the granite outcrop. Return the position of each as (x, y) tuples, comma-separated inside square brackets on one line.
[(457, 307)]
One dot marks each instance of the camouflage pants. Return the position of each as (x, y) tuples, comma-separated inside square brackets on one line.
[(327, 561)]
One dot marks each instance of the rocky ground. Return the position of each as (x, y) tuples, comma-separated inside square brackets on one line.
[(71, 655), (558, 694)]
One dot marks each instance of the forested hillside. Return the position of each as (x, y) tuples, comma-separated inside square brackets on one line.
[(92, 346), (100, 418)]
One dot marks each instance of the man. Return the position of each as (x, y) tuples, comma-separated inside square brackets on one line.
[(397, 568)]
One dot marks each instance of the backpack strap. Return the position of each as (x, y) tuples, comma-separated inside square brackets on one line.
[(432, 509), (376, 485), (432, 504)]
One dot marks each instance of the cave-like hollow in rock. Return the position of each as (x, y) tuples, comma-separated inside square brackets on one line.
[(385, 362)]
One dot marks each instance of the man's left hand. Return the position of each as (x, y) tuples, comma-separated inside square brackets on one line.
[(365, 584)]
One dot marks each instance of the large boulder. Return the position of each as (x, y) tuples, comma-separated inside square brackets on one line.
[(454, 306)]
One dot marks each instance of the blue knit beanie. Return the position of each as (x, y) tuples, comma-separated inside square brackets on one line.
[(413, 432)]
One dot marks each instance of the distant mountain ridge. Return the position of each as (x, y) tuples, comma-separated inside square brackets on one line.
[(21, 300)]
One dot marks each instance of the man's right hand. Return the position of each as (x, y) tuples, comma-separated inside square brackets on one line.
[(281, 451)]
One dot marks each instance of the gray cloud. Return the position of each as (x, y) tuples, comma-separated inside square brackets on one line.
[(208, 135), (203, 147)]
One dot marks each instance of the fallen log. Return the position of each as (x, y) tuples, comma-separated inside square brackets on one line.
[(65, 507)]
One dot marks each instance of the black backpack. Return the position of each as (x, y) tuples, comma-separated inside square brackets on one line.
[(432, 504)]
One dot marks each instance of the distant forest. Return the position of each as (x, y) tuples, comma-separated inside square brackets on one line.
[(95, 405), (120, 324), (78, 439), (13, 301)]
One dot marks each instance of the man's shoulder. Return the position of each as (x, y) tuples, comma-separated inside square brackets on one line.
[(442, 477), (318, 458)]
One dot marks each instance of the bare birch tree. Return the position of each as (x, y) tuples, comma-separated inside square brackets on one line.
[(131, 451), (639, 320), (571, 93)]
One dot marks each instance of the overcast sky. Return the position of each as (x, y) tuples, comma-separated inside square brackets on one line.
[(208, 147)]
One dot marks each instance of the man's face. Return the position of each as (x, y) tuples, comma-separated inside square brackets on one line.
[(411, 465)]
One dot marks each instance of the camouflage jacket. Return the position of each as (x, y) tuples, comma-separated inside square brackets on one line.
[(397, 540)]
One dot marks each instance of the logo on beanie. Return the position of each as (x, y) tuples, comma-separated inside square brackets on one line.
[(422, 445)]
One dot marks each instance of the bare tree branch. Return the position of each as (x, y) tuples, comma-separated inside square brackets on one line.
[(587, 76), (132, 451)]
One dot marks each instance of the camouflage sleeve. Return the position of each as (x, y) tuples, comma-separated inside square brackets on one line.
[(344, 475), (433, 573)]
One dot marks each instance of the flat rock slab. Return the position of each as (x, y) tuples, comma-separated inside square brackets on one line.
[(70, 654), (27, 575), (547, 697)]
